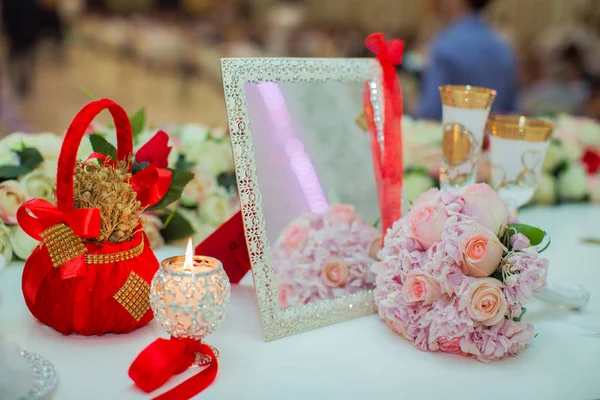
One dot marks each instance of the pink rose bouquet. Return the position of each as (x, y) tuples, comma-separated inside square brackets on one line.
[(455, 272), (324, 256)]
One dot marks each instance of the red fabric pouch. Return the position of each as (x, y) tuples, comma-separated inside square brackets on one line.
[(77, 287)]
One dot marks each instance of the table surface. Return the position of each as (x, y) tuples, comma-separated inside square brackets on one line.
[(356, 359)]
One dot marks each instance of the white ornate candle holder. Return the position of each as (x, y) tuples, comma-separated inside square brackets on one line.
[(465, 110), (190, 301)]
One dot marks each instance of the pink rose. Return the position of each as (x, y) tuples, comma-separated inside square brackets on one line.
[(481, 252), (420, 287), (519, 242), (296, 235), (342, 213), (485, 206), (335, 273), (427, 223), (374, 247), (451, 346), (12, 196), (427, 197), (485, 301)]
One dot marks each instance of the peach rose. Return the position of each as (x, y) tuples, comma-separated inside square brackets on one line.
[(420, 286), (485, 206), (296, 235), (342, 213), (485, 301), (12, 196), (335, 273), (427, 223), (481, 251), (374, 247)]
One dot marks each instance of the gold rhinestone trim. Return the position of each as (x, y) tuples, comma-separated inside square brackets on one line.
[(134, 296), (467, 97), (63, 245), (110, 258), (520, 128)]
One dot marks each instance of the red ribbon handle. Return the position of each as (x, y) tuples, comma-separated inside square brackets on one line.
[(388, 163), (162, 359), (72, 140)]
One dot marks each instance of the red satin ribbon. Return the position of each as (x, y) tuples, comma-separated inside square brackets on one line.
[(389, 165), (162, 359), (37, 215), (156, 151)]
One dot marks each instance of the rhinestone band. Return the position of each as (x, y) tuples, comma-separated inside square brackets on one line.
[(134, 296), (110, 258), (63, 245)]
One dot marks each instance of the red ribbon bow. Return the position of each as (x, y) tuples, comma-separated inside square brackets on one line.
[(388, 164), (162, 359), (37, 215)]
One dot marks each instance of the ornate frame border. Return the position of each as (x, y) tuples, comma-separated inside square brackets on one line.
[(236, 72)]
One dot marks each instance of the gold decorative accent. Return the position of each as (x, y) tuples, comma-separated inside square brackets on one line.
[(134, 296), (467, 97), (527, 178), (520, 128), (63, 245), (361, 121), (110, 258), (457, 145), (237, 72)]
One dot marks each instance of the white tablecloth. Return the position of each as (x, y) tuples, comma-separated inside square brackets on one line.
[(359, 359)]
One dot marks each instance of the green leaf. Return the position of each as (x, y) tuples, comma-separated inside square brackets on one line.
[(376, 223), (29, 158), (88, 93), (227, 179), (535, 235), (170, 217), (12, 171), (138, 121), (179, 180), (135, 168), (177, 228), (102, 146), (182, 163), (523, 311), (498, 275)]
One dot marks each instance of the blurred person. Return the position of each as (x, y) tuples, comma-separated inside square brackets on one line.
[(21, 22), (566, 90), (52, 25), (468, 52)]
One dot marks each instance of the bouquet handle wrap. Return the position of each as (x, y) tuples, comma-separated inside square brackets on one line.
[(73, 285)]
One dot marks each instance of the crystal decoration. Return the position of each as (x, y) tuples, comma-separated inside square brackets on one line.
[(46, 377), (190, 301)]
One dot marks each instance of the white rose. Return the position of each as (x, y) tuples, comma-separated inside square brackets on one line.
[(215, 157), (49, 168), (545, 192), (5, 248), (573, 150), (201, 229), (12, 196), (152, 227), (38, 185), (192, 137), (554, 156), (22, 244), (8, 157), (590, 134), (217, 208), (197, 189), (572, 183), (416, 184), (594, 186), (48, 144)]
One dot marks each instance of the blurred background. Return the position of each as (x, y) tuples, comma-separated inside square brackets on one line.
[(164, 54)]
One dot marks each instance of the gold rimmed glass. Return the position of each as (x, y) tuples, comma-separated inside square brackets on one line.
[(465, 110), (518, 146)]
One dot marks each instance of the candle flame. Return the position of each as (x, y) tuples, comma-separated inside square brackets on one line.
[(189, 256)]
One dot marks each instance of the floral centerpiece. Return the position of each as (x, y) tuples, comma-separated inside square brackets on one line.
[(456, 271), (324, 256)]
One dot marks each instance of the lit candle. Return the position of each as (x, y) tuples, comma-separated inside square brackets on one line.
[(194, 264)]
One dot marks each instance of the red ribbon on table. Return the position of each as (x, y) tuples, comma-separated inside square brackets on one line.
[(163, 358), (36, 216), (388, 163)]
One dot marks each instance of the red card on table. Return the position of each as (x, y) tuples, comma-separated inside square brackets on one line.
[(228, 244)]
